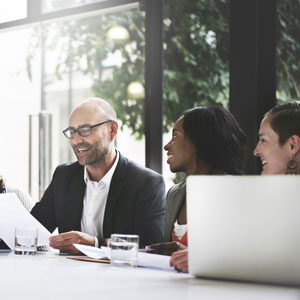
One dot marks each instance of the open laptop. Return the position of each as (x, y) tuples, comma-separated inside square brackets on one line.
[(244, 227)]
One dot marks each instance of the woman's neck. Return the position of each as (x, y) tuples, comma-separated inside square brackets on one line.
[(201, 168)]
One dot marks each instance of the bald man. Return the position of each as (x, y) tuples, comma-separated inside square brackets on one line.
[(103, 192)]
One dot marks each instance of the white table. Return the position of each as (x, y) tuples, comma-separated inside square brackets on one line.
[(55, 277)]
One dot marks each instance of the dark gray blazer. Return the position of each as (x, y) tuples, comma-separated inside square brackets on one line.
[(135, 202), (175, 199)]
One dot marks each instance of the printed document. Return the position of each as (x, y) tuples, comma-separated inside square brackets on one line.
[(148, 260), (13, 214)]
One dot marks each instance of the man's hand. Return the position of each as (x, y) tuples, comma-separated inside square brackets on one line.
[(179, 260), (165, 248), (106, 242), (64, 241)]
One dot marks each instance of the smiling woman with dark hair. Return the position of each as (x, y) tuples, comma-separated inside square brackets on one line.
[(217, 138), (205, 141), (279, 140)]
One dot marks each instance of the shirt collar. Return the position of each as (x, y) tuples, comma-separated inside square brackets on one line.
[(107, 177)]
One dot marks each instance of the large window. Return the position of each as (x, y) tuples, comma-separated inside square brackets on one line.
[(54, 5), (288, 50), (53, 66), (99, 56), (196, 63)]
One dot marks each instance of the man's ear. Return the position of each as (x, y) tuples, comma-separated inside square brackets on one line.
[(114, 129), (295, 144)]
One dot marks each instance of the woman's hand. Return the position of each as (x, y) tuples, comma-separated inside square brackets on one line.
[(179, 260)]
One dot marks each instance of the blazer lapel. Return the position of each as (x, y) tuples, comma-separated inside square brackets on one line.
[(74, 202), (173, 208), (179, 199)]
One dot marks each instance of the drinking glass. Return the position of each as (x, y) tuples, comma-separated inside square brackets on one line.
[(124, 250), (26, 241)]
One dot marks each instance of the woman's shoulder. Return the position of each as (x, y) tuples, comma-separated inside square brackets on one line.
[(177, 188)]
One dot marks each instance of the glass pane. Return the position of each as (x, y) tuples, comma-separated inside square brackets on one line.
[(288, 50), (196, 59), (13, 10), (99, 56), (20, 97), (53, 5)]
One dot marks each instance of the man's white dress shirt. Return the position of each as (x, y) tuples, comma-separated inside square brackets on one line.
[(94, 202)]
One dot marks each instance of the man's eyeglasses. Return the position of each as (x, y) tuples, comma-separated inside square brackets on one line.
[(85, 130)]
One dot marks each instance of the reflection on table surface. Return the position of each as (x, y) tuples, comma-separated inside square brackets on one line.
[(51, 276)]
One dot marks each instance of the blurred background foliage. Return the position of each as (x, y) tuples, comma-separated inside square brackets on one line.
[(196, 56), (288, 50)]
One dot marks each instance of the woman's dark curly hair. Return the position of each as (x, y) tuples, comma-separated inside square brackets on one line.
[(217, 137)]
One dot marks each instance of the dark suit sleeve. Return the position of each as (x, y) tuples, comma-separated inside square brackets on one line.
[(44, 210), (150, 211)]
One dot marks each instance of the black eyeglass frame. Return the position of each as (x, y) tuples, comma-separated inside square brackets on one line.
[(90, 127)]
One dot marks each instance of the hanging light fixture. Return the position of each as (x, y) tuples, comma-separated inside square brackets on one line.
[(135, 90), (118, 33)]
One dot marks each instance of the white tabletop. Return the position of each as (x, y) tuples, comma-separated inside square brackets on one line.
[(56, 277)]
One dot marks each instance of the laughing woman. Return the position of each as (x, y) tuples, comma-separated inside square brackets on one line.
[(205, 141), (279, 140)]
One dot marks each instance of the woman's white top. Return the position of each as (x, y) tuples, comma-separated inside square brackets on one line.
[(179, 230)]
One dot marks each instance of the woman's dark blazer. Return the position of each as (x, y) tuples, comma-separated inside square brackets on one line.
[(175, 198)]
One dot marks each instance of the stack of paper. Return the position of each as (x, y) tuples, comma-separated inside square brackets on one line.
[(144, 259)]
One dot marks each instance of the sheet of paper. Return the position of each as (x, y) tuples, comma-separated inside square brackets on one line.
[(150, 260), (90, 251), (13, 214), (144, 259)]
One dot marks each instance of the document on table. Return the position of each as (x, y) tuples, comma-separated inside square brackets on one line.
[(13, 214), (144, 259)]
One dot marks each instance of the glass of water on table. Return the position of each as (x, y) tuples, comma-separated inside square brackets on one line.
[(26, 241), (124, 250)]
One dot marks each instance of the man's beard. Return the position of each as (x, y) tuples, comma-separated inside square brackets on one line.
[(98, 154)]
